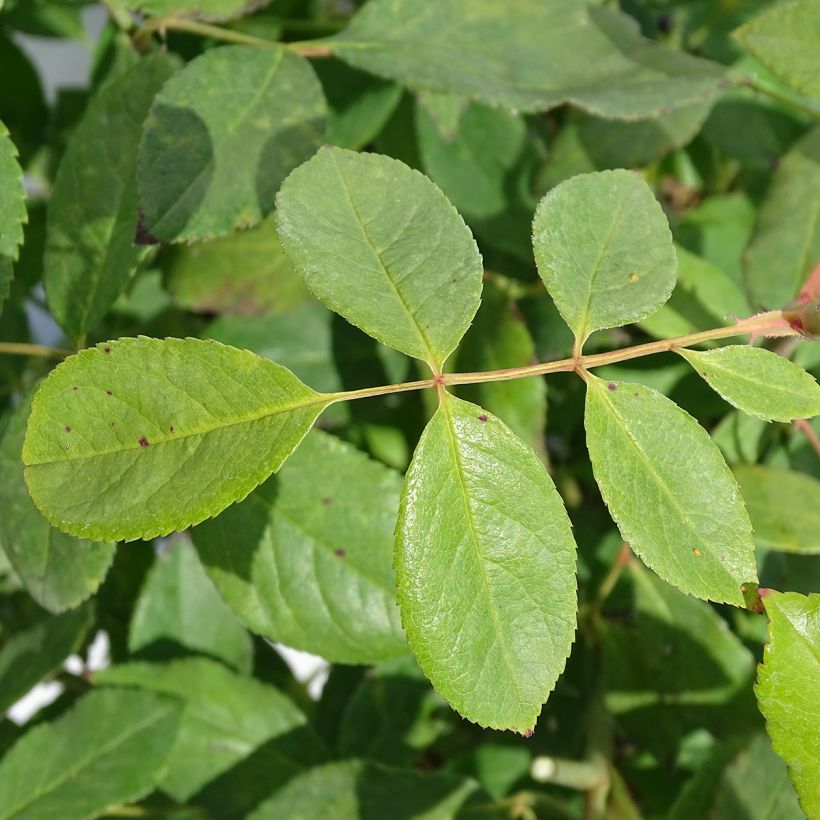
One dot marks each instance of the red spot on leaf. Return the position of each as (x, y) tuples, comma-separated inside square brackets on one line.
[(144, 442), (106, 349), (763, 592), (482, 417), (528, 732), (612, 387)]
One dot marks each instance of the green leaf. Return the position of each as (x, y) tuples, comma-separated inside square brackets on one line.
[(228, 721), (381, 245), (499, 339), (139, 437), (360, 789), (526, 55), (222, 135), (92, 213), (787, 234), (485, 565), (758, 382), (786, 39), (211, 9), (32, 654), (178, 611), (57, 570), (306, 559), (245, 273), (12, 210), (109, 749), (671, 666), (784, 507), (604, 250), (787, 685), (669, 490)]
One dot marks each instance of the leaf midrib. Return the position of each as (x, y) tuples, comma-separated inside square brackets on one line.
[(319, 399)]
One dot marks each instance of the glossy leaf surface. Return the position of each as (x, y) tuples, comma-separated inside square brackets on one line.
[(92, 213), (787, 686), (139, 437), (381, 245), (485, 565), (670, 492), (306, 560), (221, 137), (758, 382), (604, 250)]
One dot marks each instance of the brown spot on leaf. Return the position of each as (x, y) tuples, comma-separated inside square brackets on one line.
[(170, 429), (340, 553), (142, 235), (612, 387), (144, 442), (482, 417), (106, 349), (327, 501), (696, 552), (108, 393), (75, 388), (633, 277), (67, 429)]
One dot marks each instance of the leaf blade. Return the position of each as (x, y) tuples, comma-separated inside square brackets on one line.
[(496, 666), (175, 415)]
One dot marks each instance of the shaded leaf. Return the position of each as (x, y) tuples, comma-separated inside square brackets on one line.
[(221, 137), (525, 55), (306, 559), (35, 652), (784, 507), (178, 612), (228, 721), (109, 749), (669, 490), (57, 570), (485, 565), (245, 273), (368, 791), (210, 9), (786, 39), (604, 250), (12, 210), (381, 245), (758, 382), (139, 437), (92, 213), (787, 686), (786, 237)]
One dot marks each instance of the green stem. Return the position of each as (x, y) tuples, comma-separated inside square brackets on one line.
[(20, 349), (311, 48), (581, 775), (163, 24), (787, 98)]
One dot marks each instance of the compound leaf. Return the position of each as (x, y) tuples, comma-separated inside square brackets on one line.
[(92, 214), (787, 685), (380, 244), (222, 135), (58, 571), (525, 55), (226, 717), (784, 507), (604, 250), (485, 565), (306, 560), (109, 749), (139, 437), (669, 490), (758, 382), (786, 39)]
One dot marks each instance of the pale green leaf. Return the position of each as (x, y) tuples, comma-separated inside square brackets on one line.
[(139, 437), (228, 720), (109, 749), (12, 210), (381, 245), (604, 250), (245, 273), (178, 612), (784, 507), (785, 245), (222, 135), (92, 213), (356, 789), (33, 653), (786, 39), (669, 490), (485, 565), (525, 54), (499, 339), (57, 570), (306, 560), (758, 382), (787, 686)]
